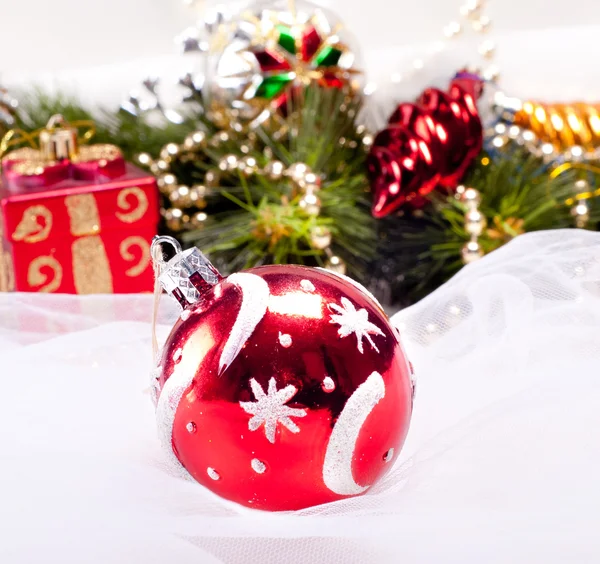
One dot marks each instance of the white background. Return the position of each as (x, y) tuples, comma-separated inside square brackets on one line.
[(102, 49)]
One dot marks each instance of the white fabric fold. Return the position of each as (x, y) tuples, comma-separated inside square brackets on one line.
[(500, 465)]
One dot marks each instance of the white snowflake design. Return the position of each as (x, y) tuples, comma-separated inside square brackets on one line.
[(269, 409), (354, 321)]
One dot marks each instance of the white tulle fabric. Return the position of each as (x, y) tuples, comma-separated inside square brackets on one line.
[(502, 461)]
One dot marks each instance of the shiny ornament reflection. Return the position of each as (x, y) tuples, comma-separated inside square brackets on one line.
[(259, 62), (296, 383), (427, 144)]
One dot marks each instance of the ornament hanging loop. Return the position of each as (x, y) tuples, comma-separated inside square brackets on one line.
[(156, 251)]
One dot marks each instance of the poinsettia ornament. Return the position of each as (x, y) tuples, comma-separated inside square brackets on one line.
[(270, 51), (427, 144), (280, 387)]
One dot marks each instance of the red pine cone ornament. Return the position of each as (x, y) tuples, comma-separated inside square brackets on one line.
[(427, 144), (281, 387)]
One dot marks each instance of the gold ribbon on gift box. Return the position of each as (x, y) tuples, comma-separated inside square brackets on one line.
[(57, 141), (57, 150), (91, 269)]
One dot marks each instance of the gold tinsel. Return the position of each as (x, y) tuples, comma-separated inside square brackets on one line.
[(563, 125)]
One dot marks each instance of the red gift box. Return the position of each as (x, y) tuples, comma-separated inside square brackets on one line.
[(75, 220)]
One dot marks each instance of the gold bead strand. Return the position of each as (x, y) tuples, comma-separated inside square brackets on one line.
[(471, 16), (580, 210), (475, 223)]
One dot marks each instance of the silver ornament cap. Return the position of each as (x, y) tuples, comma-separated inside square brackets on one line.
[(187, 275)]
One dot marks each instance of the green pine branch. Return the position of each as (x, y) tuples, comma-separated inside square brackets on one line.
[(519, 194), (255, 219), (258, 220), (131, 134)]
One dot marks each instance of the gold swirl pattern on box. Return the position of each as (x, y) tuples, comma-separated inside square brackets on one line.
[(38, 278), (131, 213), (29, 229), (127, 255)]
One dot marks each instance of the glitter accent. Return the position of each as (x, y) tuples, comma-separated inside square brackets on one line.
[(255, 299), (155, 384), (270, 409), (354, 321), (258, 466), (167, 404), (39, 279), (328, 384), (28, 168), (30, 229), (154, 391), (354, 283), (98, 152), (285, 340), (413, 380), (7, 275), (191, 427), (143, 252), (84, 217), (307, 285), (388, 455), (177, 355), (91, 268), (337, 468), (185, 314), (213, 474), (128, 213), (174, 389)]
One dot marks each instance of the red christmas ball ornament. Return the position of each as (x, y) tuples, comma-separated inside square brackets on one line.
[(280, 387), (427, 144)]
